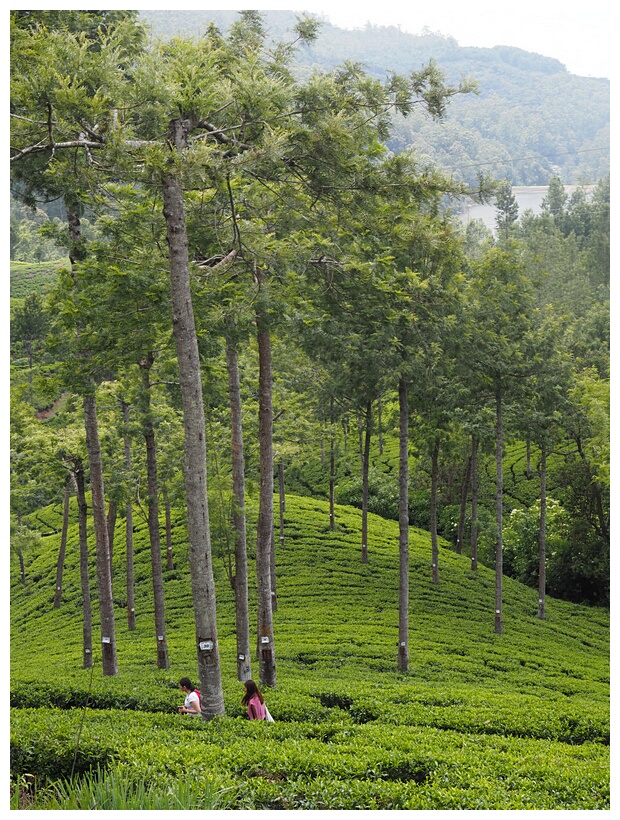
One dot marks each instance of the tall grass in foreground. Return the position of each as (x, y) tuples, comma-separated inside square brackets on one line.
[(114, 790)]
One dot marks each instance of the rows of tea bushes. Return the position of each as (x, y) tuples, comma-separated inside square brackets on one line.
[(334, 763), (480, 721)]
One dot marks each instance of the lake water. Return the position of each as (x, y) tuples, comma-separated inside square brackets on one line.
[(530, 197)]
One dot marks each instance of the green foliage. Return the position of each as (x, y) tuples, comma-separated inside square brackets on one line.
[(480, 721), (114, 789)]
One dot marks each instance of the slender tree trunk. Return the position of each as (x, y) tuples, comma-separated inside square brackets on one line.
[(131, 604), (365, 470), (434, 544), (242, 616), (474, 503), (87, 616), (403, 529), (528, 457), (111, 525), (169, 556), (460, 535), (20, 555), (499, 487), (542, 533), (282, 498), (153, 515), (76, 253), (332, 468), (195, 457), (266, 648), (104, 578), (63, 546), (272, 569)]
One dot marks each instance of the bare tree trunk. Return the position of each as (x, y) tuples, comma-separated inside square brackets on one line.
[(528, 457), (87, 617), (131, 605), (169, 556), (282, 498), (104, 578), (111, 525), (63, 546), (20, 555), (474, 503), (403, 529), (153, 515), (365, 470), (434, 544), (542, 533), (266, 649), (460, 535), (332, 467), (242, 616), (499, 487), (195, 456)]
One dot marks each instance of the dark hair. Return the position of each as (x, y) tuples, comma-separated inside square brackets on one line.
[(251, 689), (186, 682)]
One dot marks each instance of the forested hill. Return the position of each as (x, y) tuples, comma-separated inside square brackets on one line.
[(530, 120)]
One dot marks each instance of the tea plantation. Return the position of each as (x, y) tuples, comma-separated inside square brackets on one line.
[(480, 721)]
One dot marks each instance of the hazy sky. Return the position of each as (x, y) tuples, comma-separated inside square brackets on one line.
[(576, 33)]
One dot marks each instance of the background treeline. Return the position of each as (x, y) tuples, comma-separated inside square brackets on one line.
[(530, 120)]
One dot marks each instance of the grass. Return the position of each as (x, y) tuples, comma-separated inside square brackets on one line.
[(480, 721)]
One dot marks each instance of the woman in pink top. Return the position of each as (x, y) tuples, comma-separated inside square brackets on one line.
[(253, 699)]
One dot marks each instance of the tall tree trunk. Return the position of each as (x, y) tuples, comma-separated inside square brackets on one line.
[(104, 578), (365, 470), (111, 525), (20, 555), (242, 616), (499, 488), (332, 467), (195, 456), (153, 514), (282, 498), (528, 457), (76, 253), (434, 544), (460, 534), (542, 533), (131, 604), (474, 503), (169, 555), (403, 530), (87, 616), (266, 648), (63, 546)]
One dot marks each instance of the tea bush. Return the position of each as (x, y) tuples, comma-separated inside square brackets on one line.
[(480, 721)]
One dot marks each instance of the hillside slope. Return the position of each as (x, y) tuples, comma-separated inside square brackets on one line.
[(530, 705), (531, 119)]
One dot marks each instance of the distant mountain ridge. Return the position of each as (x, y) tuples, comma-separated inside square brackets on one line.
[(531, 120)]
